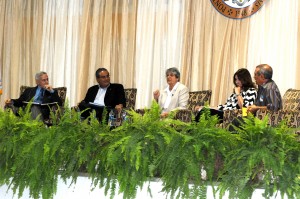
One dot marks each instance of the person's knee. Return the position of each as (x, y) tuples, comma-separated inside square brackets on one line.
[(235, 124), (36, 112)]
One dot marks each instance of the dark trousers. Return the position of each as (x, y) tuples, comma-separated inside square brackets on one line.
[(212, 113), (87, 109)]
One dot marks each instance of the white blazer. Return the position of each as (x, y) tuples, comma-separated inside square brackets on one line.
[(179, 99)]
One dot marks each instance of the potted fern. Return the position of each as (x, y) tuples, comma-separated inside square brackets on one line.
[(264, 157), (34, 156)]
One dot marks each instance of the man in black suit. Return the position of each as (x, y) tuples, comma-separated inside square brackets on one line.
[(43, 93), (104, 94)]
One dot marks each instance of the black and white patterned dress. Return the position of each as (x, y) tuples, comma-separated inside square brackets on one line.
[(249, 97)]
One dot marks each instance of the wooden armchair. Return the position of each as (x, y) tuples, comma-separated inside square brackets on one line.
[(229, 116), (290, 110), (195, 98), (61, 91), (130, 95)]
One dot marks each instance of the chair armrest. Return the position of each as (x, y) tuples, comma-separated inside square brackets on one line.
[(261, 113), (275, 117), (141, 111), (12, 108), (229, 116), (184, 115), (181, 114)]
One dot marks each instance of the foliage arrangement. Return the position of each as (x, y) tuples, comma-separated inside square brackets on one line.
[(194, 158), (265, 157), (187, 157)]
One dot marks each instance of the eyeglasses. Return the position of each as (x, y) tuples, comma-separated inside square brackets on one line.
[(170, 74), (102, 77)]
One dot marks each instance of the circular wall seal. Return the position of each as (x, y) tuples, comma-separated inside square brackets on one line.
[(237, 9)]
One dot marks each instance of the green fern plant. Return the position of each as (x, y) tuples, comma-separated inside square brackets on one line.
[(131, 150), (34, 155), (15, 132), (265, 157), (193, 158), (43, 154)]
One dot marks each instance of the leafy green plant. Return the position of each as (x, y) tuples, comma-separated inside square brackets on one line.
[(193, 158), (265, 157), (15, 132), (131, 150), (146, 146), (44, 153)]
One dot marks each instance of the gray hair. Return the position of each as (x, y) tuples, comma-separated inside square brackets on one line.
[(266, 70), (39, 74), (174, 71)]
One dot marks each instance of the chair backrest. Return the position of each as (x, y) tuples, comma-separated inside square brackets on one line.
[(130, 95), (199, 98), (291, 100), (61, 91)]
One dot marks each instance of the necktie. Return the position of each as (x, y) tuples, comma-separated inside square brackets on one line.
[(39, 98)]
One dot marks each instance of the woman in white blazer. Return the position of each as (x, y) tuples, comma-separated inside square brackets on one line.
[(175, 96)]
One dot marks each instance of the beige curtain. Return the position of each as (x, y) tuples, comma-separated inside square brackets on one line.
[(298, 51), (69, 40), (107, 39), (59, 51), (20, 48), (159, 43), (273, 36), (137, 40), (214, 48)]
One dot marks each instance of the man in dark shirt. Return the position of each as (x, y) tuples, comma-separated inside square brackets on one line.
[(104, 94), (268, 95), (42, 95)]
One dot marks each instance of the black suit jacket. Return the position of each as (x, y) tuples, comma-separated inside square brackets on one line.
[(29, 93), (48, 97), (114, 95)]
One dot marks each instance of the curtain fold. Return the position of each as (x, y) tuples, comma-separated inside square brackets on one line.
[(107, 39), (60, 44), (20, 44), (214, 48), (137, 40), (159, 42), (273, 40), (297, 83)]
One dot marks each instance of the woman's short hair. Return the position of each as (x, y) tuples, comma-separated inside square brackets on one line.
[(174, 71), (245, 77)]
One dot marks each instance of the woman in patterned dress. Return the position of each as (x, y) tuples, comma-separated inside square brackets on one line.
[(243, 95)]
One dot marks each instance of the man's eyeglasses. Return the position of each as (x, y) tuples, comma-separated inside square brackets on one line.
[(104, 76)]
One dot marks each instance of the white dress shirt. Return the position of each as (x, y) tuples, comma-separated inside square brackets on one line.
[(99, 99)]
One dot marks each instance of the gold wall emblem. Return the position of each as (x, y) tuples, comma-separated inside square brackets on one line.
[(237, 9)]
